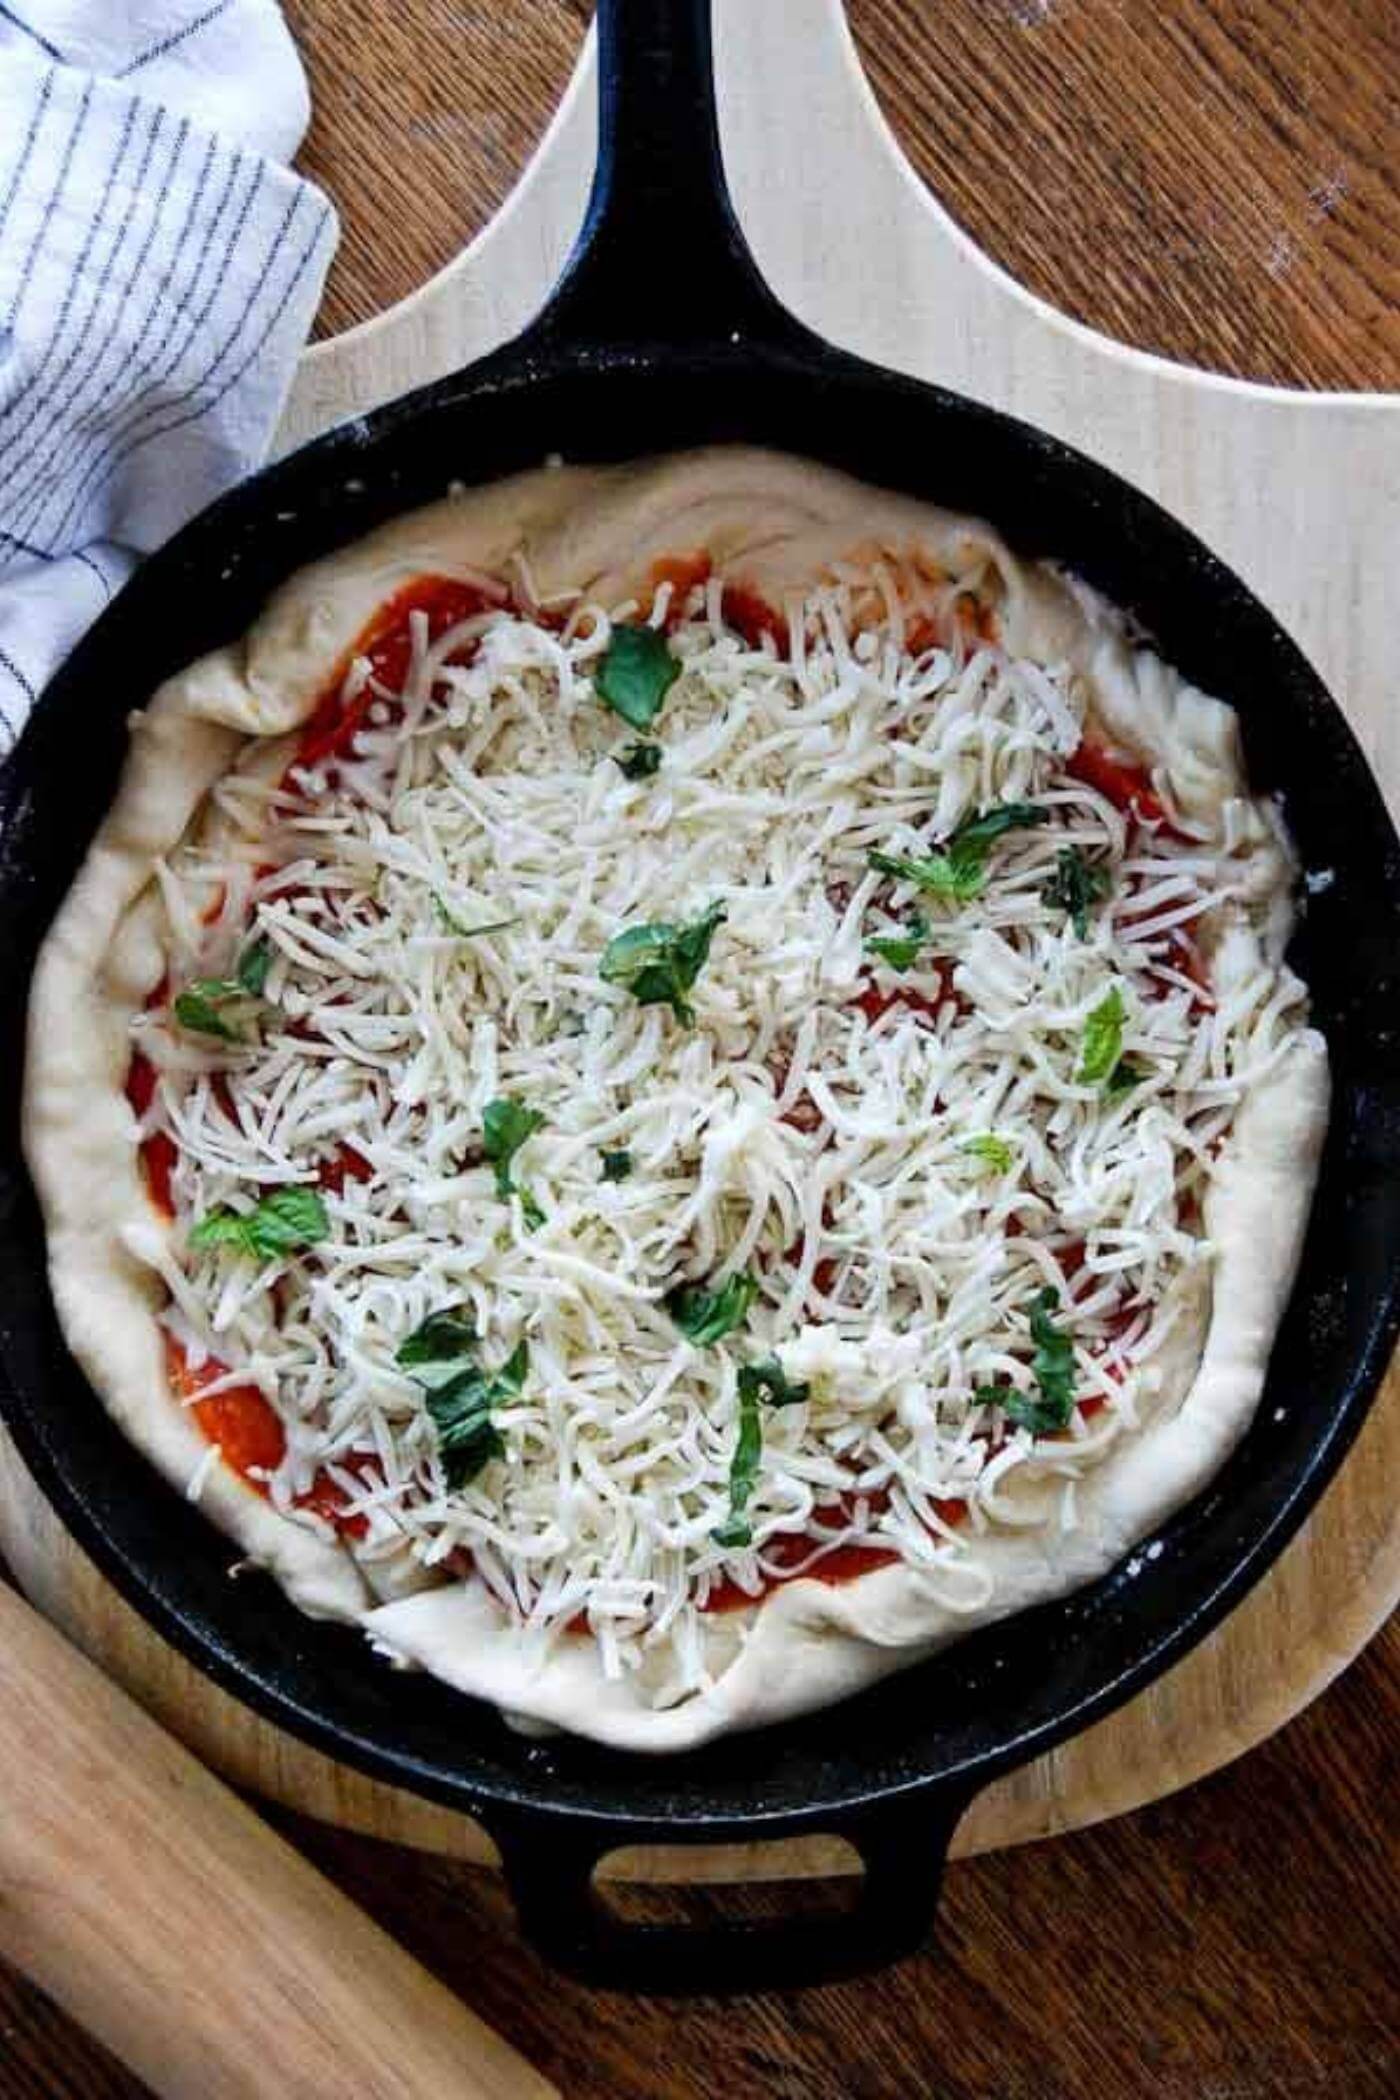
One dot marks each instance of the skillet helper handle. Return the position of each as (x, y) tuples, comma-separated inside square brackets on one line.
[(903, 1848), (660, 257), (172, 1923)]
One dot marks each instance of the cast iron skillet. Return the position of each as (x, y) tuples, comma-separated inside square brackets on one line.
[(661, 335)]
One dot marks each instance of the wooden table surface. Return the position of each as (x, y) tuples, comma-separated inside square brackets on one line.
[(1211, 179)]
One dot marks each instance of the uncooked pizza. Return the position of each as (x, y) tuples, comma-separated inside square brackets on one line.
[(675, 1084)]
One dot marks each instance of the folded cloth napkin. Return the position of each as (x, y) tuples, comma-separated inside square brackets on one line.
[(159, 270)]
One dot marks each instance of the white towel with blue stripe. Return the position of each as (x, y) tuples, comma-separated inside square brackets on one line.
[(160, 267)]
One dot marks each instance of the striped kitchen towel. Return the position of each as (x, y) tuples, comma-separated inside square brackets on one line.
[(159, 270)]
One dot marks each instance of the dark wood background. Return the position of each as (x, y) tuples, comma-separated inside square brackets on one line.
[(1208, 178), (1212, 179)]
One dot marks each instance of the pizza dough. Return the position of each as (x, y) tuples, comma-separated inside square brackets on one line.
[(776, 526)]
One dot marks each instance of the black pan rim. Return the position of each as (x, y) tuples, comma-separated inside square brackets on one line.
[(354, 447)]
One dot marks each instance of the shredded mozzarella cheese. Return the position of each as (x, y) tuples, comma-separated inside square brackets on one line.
[(818, 1126)]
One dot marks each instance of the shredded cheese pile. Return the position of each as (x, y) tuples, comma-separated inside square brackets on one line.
[(902, 1160)]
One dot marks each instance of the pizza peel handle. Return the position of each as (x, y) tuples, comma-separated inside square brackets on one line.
[(205, 1952)]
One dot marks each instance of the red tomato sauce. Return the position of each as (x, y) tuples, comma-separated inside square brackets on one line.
[(972, 622), (876, 1002), (157, 1153), (802, 1112), (1186, 961), (1126, 786), (683, 572), (751, 616), (140, 1082), (1112, 1366), (220, 1089), (346, 1164), (326, 1498), (244, 1425), (240, 1420), (1071, 1258), (841, 1564), (387, 641), (825, 1271), (826, 1267)]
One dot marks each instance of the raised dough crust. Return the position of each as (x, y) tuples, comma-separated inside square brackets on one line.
[(774, 521)]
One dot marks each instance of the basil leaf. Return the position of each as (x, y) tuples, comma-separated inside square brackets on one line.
[(437, 1349), (505, 1126), (1076, 885), (253, 966), (736, 1529), (900, 951), (224, 1227), (977, 834), (1025, 1411), (935, 873), (705, 1317), (450, 923), (766, 1381), (461, 1411), (196, 1009), (513, 1372), (993, 1152), (616, 1165), (636, 673), (287, 1219), (1103, 1040), (1052, 1367), (659, 963), (639, 761), (1053, 1362), (959, 872), (769, 1381), (1126, 1074), (468, 1439)]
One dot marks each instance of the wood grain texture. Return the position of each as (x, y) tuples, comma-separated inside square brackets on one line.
[(424, 112), (1235, 1940), (1212, 180), (112, 1838), (1234, 1943)]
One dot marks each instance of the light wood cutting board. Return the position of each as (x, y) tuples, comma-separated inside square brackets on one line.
[(1299, 493)]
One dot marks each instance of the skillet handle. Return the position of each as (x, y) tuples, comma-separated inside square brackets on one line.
[(548, 1866), (660, 257)]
